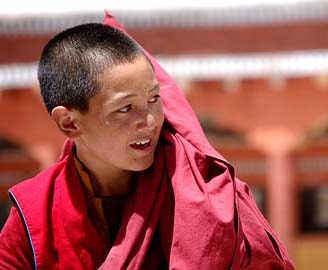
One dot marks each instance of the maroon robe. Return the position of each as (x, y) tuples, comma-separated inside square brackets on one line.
[(188, 210)]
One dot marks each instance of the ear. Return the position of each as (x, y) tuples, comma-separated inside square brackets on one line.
[(66, 121)]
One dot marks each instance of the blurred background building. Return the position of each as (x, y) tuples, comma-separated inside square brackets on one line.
[(256, 75)]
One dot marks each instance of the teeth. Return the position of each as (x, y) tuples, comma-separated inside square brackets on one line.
[(143, 142)]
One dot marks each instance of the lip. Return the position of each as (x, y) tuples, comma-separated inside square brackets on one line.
[(141, 145), (135, 145)]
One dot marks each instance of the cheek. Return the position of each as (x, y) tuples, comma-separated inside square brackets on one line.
[(117, 124), (160, 115)]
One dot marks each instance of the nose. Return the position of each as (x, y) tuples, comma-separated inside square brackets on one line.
[(146, 121)]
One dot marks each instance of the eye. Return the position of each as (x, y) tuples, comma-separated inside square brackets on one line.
[(125, 109), (154, 99)]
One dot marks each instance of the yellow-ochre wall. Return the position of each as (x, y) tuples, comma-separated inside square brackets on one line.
[(311, 253)]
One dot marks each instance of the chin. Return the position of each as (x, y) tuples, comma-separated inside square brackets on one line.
[(141, 166)]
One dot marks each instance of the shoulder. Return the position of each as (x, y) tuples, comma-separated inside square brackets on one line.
[(37, 188), (15, 249)]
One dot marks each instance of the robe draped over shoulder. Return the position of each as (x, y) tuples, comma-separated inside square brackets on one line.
[(215, 223), (188, 210)]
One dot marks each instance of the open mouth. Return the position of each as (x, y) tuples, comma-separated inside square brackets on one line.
[(141, 144)]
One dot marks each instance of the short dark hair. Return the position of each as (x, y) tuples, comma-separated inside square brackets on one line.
[(72, 61)]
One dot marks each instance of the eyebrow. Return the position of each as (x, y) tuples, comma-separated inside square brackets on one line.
[(127, 96), (154, 88)]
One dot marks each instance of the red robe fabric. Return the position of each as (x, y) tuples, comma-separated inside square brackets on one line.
[(216, 223), (188, 209), (53, 210)]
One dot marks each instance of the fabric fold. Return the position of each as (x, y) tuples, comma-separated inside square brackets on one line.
[(188, 210), (208, 230)]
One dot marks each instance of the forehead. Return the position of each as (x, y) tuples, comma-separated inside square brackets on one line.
[(126, 76)]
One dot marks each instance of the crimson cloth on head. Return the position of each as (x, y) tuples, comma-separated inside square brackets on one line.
[(207, 219)]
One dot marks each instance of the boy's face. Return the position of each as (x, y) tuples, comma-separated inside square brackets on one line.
[(122, 127)]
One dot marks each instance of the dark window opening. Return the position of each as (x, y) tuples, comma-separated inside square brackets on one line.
[(314, 209), (260, 198)]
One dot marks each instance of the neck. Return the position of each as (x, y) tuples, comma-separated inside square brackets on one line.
[(105, 185), (106, 180)]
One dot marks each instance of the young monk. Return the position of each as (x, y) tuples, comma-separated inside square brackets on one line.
[(137, 185)]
